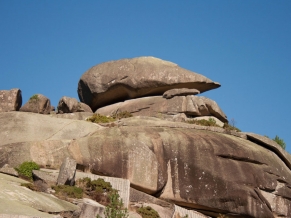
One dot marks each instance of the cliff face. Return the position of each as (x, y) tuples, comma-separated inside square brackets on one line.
[(207, 169)]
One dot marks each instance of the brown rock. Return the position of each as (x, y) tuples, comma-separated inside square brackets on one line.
[(116, 81), (193, 106), (10, 100), (71, 105), (180, 92), (37, 104)]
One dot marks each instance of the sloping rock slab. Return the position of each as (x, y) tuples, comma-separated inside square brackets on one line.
[(193, 106), (74, 116), (18, 200), (115, 81), (10, 100), (20, 127)]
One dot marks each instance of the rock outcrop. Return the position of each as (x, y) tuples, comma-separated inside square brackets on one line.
[(71, 105), (38, 104), (10, 100), (207, 171), (116, 81), (157, 106)]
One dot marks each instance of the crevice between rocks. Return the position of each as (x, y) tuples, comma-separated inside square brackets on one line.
[(231, 157)]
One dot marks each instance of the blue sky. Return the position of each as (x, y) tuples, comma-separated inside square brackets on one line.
[(244, 45)]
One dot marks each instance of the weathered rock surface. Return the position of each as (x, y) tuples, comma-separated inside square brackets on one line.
[(193, 106), (116, 81), (20, 127), (18, 200), (208, 171), (73, 116), (180, 92), (6, 169), (38, 104), (71, 105), (91, 209), (67, 172), (10, 100)]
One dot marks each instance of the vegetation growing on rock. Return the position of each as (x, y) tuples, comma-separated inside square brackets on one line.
[(66, 191), (26, 168), (230, 127), (280, 142), (203, 122), (34, 97), (148, 212), (98, 118)]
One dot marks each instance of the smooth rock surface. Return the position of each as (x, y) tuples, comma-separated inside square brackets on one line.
[(10, 100), (180, 92), (192, 106), (116, 81), (71, 105), (37, 104), (18, 200), (20, 127)]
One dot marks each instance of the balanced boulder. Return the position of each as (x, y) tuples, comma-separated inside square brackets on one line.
[(71, 105), (116, 81), (37, 104), (10, 100)]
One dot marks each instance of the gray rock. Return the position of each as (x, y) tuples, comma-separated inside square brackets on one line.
[(67, 172), (8, 170), (116, 81), (71, 105), (21, 127), (91, 209), (180, 92), (192, 106), (74, 116), (20, 201), (37, 104), (10, 100)]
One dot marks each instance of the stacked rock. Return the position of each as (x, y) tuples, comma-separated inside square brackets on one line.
[(147, 86)]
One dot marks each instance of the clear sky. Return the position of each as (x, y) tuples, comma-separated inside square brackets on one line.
[(45, 47)]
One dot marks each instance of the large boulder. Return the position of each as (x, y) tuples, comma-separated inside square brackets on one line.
[(115, 81), (37, 104), (193, 106), (71, 105), (20, 127), (208, 171), (10, 100)]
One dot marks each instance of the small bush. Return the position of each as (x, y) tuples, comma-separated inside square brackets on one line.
[(31, 186), (229, 127), (123, 114), (66, 191), (115, 208), (148, 212), (98, 118), (26, 168), (34, 97), (280, 142), (209, 122)]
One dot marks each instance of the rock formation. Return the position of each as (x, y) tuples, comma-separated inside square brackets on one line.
[(115, 81), (71, 105), (158, 106), (10, 100), (37, 104), (175, 167)]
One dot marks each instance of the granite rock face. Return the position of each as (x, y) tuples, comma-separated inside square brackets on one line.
[(37, 104), (116, 81), (10, 100), (193, 106), (208, 171), (71, 105)]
